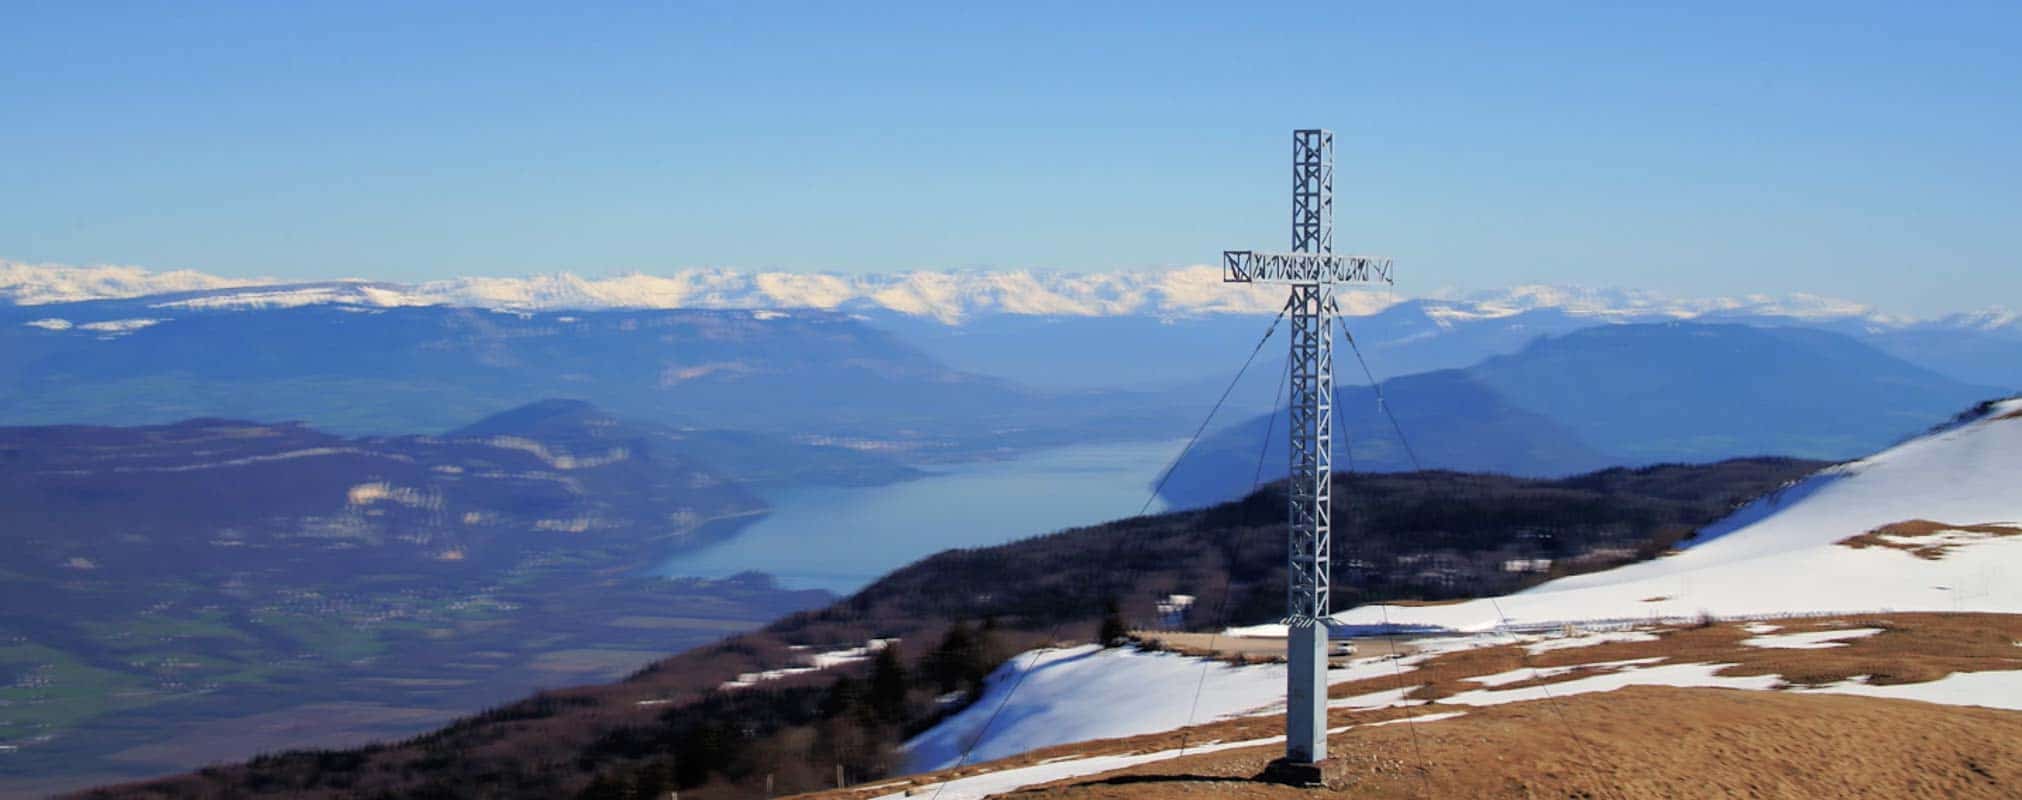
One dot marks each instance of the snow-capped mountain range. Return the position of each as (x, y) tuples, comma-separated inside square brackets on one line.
[(950, 297)]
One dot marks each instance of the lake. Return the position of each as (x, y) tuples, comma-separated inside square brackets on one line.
[(841, 538)]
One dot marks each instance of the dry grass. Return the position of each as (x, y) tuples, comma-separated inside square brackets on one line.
[(1639, 742), (1888, 536), (1912, 648), (1257, 650), (1632, 743)]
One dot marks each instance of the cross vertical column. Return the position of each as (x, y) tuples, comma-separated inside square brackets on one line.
[(1312, 271), (1312, 453)]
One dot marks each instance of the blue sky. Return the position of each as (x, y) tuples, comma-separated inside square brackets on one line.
[(1860, 150)]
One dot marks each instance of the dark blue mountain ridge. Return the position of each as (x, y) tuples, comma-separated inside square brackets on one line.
[(1453, 421), (1613, 395), (1148, 351), (1702, 392), (350, 369), (1427, 335)]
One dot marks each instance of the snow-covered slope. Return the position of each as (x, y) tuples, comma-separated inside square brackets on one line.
[(1081, 693), (1086, 693), (1788, 552)]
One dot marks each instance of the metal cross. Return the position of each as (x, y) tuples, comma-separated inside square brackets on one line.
[(1312, 271)]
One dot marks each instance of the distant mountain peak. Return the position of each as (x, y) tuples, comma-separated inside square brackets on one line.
[(537, 417), (949, 296)]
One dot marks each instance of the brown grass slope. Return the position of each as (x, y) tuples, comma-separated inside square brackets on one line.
[(1639, 742), (1892, 536)]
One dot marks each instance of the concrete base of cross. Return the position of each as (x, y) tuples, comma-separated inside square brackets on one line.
[(1294, 773)]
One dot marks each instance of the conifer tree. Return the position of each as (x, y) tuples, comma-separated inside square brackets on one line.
[(888, 687), (1113, 631)]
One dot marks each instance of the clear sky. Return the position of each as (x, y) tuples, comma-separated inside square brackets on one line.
[(1862, 150)]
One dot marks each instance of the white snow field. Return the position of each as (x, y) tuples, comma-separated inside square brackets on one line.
[(1779, 556), (1086, 693), (989, 783)]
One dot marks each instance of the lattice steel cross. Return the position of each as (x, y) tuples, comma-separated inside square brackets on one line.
[(1312, 271)]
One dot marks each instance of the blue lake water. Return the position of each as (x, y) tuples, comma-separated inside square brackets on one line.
[(843, 538)]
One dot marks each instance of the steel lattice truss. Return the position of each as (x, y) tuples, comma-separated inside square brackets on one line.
[(1312, 407), (1312, 191)]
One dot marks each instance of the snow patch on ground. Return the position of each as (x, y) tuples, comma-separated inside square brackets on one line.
[(1588, 639), (1684, 675), (1535, 673), (810, 662), (1810, 640), (991, 783), (1985, 689), (1420, 719), (1373, 700), (1380, 667)]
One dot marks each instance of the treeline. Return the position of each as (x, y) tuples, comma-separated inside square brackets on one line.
[(795, 739)]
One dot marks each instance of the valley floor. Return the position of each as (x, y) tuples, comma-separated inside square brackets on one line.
[(1897, 705)]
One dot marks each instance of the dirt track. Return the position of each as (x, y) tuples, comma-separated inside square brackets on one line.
[(1264, 649)]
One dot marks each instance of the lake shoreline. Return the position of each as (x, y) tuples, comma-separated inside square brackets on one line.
[(882, 528)]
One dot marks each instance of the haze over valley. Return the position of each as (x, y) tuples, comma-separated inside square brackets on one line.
[(684, 401)]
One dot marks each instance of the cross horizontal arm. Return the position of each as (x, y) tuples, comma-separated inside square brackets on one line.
[(1245, 266)]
